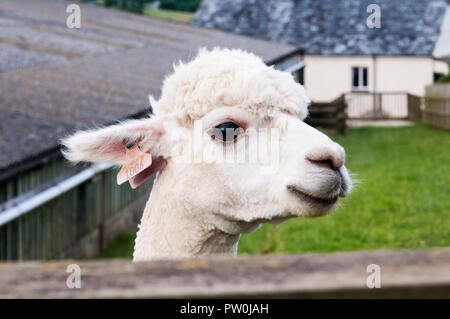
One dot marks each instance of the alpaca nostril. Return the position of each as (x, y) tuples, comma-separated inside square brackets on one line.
[(322, 163), (326, 157)]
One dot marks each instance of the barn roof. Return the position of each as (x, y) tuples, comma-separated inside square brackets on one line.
[(54, 79), (330, 27)]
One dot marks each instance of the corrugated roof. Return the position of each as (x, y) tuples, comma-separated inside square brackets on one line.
[(331, 27), (54, 79)]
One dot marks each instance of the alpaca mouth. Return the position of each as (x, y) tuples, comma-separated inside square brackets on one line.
[(328, 194), (308, 197)]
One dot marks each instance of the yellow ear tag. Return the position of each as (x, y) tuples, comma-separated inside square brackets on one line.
[(135, 162)]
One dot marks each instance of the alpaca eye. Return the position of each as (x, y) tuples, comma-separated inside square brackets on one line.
[(226, 132)]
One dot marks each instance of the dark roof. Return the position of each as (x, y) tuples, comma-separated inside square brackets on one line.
[(54, 80), (331, 27)]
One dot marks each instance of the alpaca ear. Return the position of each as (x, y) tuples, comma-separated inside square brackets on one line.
[(128, 143)]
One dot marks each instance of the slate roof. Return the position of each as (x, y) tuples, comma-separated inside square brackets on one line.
[(54, 80), (331, 27)]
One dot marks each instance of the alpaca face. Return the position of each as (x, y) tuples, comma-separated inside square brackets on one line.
[(215, 113), (301, 174)]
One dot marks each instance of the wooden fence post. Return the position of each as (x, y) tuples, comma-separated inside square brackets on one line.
[(329, 117)]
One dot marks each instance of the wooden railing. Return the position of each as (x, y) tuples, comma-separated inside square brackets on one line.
[(430, 110), (438, 90), (351, 275), (437, 112), (377, 105), (414, 108), (328, 117)]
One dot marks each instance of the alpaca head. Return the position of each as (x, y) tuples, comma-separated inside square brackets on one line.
[(227, 134)]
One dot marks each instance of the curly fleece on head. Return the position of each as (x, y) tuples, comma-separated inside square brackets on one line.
[(229, 77)]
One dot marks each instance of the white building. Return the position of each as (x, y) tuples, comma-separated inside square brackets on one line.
[(344, 54)]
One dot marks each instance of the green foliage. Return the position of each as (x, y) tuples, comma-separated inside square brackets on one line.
[(444, 78), (402, 200), (136, 6), (180, 5), (121, 247)]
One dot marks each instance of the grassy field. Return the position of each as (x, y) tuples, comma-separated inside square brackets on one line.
[(174, 16), (402, 200)]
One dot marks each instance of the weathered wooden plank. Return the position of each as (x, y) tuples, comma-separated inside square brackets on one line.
[(40, 238), (51, 236), (10, 189), (438, 90), (14, 243), (3, 192), (403, 274), (3, 242), (59, 209), (328, 117), (437, 112), (34, 238), (4, 231)]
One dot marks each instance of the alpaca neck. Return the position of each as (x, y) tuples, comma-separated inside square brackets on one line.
[(167, 231)]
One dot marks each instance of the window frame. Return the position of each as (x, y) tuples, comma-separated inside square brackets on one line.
[(360, 86)]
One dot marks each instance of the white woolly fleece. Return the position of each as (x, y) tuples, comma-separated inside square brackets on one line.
[(201, 207), (224, 77)]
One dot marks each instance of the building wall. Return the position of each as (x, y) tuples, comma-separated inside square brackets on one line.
[(441, 67), (327, 77)]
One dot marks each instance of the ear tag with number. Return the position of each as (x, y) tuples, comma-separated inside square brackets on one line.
[(135, 162)]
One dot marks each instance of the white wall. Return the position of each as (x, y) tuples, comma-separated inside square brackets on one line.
[(440, 67), (327, 77)]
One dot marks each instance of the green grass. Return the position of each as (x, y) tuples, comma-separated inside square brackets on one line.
[(402, 200), (174, 16), (121, 247)]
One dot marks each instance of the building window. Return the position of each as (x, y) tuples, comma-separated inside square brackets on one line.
[(359, 79)]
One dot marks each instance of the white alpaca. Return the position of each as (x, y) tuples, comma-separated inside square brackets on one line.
[(200, 207)]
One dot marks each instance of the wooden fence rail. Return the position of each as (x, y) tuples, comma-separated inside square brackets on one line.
[(430, 110), (437, 112), (403, 274), (438, 90), (328, 117), (377, 105), (414, 111)]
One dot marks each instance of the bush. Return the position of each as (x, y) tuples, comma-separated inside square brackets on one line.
[(444, 78), (180, 5), (136, 6)]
